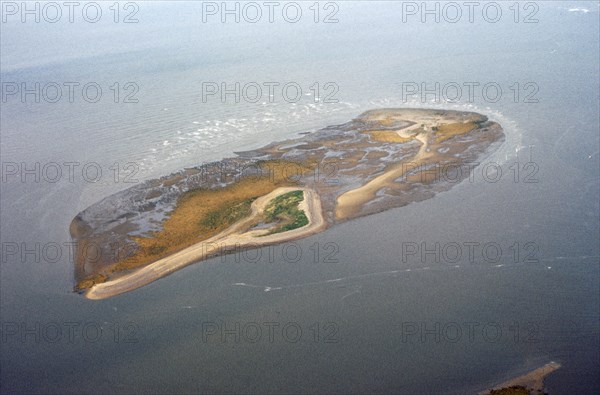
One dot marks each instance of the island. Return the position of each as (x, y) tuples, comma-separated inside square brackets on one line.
[(531, 383), (383, 159)]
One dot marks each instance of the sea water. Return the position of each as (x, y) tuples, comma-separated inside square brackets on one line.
[(347, 310)]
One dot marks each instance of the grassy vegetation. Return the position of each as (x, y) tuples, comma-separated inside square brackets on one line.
[(284, 209), (446, 131), (226, 214), (201, 214), (388, 120), (89, 282), (388, 136)]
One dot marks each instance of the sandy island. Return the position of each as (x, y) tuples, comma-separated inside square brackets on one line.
[(533, 380), (383, 159), (236, 236)]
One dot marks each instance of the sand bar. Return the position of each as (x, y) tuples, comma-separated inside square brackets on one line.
[(533, 380)]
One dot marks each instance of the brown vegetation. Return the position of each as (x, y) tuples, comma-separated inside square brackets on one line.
[(388, 136), (446, 131), (516, 390)]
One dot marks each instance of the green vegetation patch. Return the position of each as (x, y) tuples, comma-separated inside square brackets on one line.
[(226, 214), (284, 210)]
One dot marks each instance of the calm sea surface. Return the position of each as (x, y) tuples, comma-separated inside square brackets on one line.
[(347, 310)]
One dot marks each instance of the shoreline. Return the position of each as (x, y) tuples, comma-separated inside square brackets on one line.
[(533, 380), (233, 237)]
